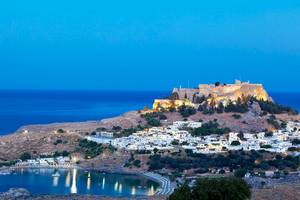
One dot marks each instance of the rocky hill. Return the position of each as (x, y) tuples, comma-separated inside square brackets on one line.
[(213, 95)]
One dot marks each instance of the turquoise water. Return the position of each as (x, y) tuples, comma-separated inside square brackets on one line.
[(43, 181)]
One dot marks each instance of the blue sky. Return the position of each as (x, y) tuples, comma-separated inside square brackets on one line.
[(148, 45)]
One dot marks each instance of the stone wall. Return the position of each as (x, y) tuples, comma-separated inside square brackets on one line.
[(185, 93)]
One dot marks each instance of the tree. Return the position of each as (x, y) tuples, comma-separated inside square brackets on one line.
[(210, 128), (153, 122), (187, 111), (235, 143), (240, 172), (25, 156), (60, 131), (217, 84), (181, 193), (272, 120), (236, 116), (214, 189)]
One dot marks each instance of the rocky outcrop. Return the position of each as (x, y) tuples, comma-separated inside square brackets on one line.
[(214, 94), (15, 194), (233, 92)]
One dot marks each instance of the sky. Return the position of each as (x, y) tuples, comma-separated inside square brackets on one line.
[(148, 45)]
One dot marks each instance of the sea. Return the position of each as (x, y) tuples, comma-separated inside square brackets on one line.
[(75, 181), (25, 107)]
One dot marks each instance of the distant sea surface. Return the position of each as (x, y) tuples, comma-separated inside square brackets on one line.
[(23, 107)]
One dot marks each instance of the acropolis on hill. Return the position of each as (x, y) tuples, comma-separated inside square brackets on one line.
[(218, 93)]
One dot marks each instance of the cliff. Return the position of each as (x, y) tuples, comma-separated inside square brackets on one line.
[(232, 92)]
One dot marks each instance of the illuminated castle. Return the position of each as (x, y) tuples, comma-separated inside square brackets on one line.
[(218, 93)]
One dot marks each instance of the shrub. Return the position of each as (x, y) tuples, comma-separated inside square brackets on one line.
[(274, 108), (238, 107), (272, 120), (235, 143), (186, 111), (58, 141), (25, 156), (181, 193), (210, 128), (116, 128), (64, 154), (266, 146), (91, 149), (240, 172), (214, 188), (60, 131), (153, 119), (236, 116), (136, 163), (296, 141)]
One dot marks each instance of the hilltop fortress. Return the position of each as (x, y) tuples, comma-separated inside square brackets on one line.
[(214, 94)]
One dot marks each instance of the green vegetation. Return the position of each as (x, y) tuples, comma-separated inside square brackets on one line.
[(214, 189), (235, 143), (238, 107), (233, 160), (133, 162), (217, 84), (153, 119), (266, 146), (129, 131), (153, 122), (199, 100), (240, 172), (236, 116), (111, 148), (90, 149), (25, 156), (116, 128), (272, 120), (100, 129), (186, 111), (8, 163), (242, 106), (296, 149), (296, 141), (60, 131), (125, 132), (283, 125), (274, 108), (232, 107), (63, 153), (209, 128), (58, 141)]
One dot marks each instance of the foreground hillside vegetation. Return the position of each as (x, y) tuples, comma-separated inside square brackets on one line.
[(213, 189)]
